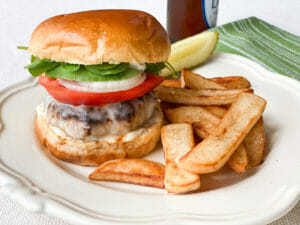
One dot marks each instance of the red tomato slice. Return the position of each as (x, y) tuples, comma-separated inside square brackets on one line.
[(68, 96)]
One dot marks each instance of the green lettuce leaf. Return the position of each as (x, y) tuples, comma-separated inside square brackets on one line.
[(154, 68), (103, 66), (40, 66), (100, 72), (84, 75), (22, 47), (70, 67), (114, 70)]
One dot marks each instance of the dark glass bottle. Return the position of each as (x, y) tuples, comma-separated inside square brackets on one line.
[(189, 17)]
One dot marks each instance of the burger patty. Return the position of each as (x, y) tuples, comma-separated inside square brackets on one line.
[(91, 123)]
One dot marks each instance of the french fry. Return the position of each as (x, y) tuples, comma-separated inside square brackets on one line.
[(198, 97), (255, 143), (171, 83), (216, 111), (191, 114), (191, 80), (196, 81), (214, 151), (200, 129), (204, 124), (234, 82), (239, 160), (180, 181), (177, 140), (134, 171)]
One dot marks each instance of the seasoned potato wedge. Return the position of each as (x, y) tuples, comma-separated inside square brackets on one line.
[(191, 114), (255, 143), (134, 171), (177, 140), (204, 124), (214, 151), (196, 81), (206, 97), (238, 161), (234, 82), (216, 111), (171, 83), (180, 181)]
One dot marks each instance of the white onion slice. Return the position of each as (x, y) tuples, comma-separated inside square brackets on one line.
[(103, 86)]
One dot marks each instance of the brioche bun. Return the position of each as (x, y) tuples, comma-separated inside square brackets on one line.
[(93, 37), (92, 153)]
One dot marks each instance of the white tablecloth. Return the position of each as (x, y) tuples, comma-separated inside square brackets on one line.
[(18, 19)]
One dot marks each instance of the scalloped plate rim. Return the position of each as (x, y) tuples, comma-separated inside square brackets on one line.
[(19, 188)]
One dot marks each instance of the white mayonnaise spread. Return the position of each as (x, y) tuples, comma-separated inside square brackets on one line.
[(138, 66), (103, 86)]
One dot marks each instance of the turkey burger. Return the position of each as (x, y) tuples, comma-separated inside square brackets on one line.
[(99, 69)]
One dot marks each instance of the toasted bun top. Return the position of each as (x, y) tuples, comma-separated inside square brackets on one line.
[(93, 37)]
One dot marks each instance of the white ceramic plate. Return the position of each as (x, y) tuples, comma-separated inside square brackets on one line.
[(29, 174)]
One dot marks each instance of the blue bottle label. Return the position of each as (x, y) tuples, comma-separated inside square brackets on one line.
[(210, 12)]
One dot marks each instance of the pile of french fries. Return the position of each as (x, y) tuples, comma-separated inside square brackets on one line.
[(223, 113), (212, 122)]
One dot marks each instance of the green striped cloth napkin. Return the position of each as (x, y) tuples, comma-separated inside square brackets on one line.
[(273, 48)]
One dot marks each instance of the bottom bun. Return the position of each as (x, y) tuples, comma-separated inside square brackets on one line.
[(91, 153)]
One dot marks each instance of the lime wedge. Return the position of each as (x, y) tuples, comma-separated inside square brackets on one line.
[(192, 51)]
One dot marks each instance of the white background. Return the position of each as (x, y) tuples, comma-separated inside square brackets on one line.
[(18, 19)]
